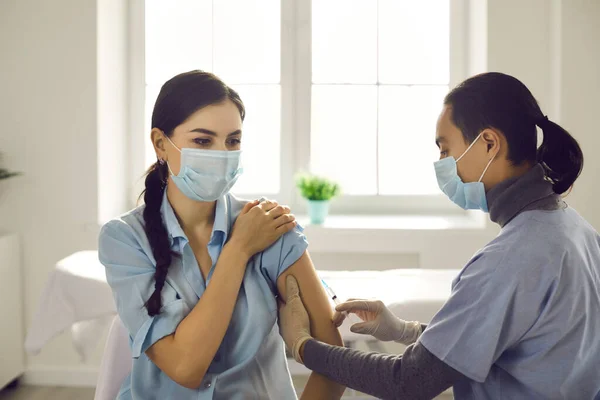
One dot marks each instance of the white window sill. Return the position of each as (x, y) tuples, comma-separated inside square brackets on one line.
[(379, 223), (410, 241), (397, 222)]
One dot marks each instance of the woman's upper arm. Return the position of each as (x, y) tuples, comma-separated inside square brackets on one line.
[(314, 298)]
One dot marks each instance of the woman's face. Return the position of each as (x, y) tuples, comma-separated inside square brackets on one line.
[(215, 127)]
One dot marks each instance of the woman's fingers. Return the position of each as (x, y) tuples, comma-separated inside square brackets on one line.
[(285, 228), (248, 206), (278, 211), (268, 205), (284, 219)]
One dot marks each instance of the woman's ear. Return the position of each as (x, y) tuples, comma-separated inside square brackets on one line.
[(492, 140), (158, 141)]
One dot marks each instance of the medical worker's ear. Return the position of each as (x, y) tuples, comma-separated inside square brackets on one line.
[(492, 140), (159, 142)]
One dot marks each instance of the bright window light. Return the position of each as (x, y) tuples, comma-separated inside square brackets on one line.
[(380, 71), (239, 41)]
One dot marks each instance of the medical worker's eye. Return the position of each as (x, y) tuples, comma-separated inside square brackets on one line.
[(443, 153)]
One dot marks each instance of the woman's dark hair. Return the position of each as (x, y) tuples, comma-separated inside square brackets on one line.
[(178, 99), (502, 102)]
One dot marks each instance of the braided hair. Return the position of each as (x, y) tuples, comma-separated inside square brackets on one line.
[(179, 97)]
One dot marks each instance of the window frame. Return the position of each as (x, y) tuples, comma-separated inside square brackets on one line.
[(296, 87), (299, 14)]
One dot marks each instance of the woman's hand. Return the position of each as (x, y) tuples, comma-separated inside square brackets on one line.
[(378, 321), (260, 224)]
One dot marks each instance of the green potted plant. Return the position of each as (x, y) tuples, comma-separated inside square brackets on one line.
[(318, 191), (5, 174)]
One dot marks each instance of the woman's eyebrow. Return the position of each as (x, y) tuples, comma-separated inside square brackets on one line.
[(212, 133)]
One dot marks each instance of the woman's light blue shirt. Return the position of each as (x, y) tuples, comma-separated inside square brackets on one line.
[(523, 319), (251, 362)]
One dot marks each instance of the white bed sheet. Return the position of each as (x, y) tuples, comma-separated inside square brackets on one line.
[(77, 297), (411, 294)]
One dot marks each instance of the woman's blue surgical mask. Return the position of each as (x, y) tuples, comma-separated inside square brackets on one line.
[(468, 196), (206, 175)]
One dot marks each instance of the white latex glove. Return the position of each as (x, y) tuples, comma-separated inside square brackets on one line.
[(294, 323), (378, 321)]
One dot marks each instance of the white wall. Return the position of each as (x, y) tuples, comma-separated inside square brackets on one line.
[(50, 112), (112, 107), (52, 122), (519, 43), (552, 46), (579, 97), (48, 130)]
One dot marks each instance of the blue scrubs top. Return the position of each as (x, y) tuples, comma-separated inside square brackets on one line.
[(523, 319), (251, 361)]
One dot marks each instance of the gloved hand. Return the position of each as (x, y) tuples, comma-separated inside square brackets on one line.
[(379, 321), (294, 324)]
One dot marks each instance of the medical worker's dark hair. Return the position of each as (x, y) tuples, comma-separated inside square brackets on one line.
[(179, 98), (499, 101)]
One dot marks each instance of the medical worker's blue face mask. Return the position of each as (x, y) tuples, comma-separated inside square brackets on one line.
[(468, 196), (206, 175)]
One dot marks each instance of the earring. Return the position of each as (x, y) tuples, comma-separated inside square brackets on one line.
[(161, 161)]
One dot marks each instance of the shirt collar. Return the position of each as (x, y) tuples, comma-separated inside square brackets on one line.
[(509, 198), (221, 223)]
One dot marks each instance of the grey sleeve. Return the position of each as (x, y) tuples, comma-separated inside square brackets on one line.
[(417, 374)]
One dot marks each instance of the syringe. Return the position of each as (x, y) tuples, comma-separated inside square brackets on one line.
[(333, 296)]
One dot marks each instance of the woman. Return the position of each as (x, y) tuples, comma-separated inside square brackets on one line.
[(195, 272), (522, 321)]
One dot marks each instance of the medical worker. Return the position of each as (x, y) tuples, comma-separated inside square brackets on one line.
[(523, 317)]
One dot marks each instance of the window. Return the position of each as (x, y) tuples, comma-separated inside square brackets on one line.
[(347, 88), (240, 42)]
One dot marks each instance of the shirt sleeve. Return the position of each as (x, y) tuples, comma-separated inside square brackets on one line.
[(489, 310), (282, 254), (417, 374), (130, 274)]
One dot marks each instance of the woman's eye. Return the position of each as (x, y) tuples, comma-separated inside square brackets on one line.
[(443, 153), (202, 141), (235, 142)]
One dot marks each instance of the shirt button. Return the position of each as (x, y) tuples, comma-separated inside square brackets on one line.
[(207, 385)]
